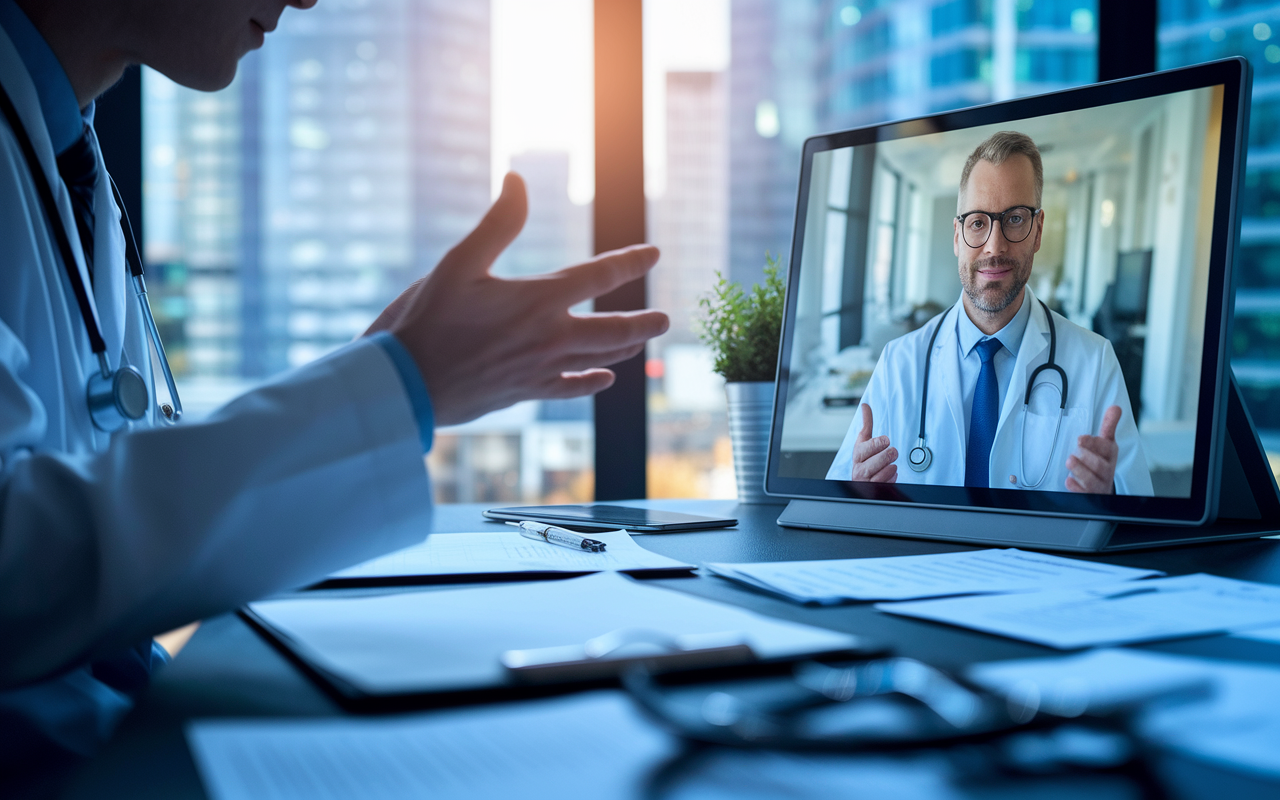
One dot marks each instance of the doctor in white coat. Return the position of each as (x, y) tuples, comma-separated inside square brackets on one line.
[(985, 350), (109, 538)]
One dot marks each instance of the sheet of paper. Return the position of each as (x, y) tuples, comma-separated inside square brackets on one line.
[(593, 745), (1096, 681), (1234, 724), (935, 575), (531, 751), (507, 551), (1162, 608), (438, 640)]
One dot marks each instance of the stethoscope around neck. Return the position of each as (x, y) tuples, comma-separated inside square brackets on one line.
[(115, 397), (920, 457)]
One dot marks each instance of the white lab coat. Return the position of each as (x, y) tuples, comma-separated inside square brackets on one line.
[(107, 540), (1095, 383)]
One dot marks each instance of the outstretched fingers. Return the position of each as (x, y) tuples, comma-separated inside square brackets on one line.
[(599, 333), (496, 231), (576, 384), (604, 273)]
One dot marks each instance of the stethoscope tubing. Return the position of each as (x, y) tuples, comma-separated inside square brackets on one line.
[(920, 457), (103, 386)]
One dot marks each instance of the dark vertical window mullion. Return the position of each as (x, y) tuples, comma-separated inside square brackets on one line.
[(1126, 38), (618, 221)]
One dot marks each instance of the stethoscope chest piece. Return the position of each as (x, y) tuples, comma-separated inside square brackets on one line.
[(117, 398), (919, 457)]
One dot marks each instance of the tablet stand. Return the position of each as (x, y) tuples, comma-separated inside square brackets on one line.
[(1248, 507)]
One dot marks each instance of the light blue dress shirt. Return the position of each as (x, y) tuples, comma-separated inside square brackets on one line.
[(967, 337)]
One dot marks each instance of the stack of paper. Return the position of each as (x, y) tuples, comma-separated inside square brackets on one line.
[(935, 575), (1164, 608), (1233, 723), (454, 639), (503, 552)]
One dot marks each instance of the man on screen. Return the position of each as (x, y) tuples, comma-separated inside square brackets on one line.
[(983, 353)]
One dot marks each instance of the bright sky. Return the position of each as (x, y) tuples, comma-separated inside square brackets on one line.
[(542, 79)]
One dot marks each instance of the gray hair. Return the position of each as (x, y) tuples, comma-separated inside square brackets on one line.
[(997, 149)]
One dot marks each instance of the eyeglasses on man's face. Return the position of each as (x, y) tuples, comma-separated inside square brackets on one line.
[(1015, 225)]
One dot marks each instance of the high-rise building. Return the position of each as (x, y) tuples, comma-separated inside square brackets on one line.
[(690, 222), (1191, 33), (557, 232), (801, 67), (772, 78), (341, 164)]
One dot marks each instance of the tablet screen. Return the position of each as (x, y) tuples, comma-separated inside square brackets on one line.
[(1019, 306)]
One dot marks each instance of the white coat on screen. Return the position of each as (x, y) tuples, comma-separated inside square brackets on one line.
[(1095, 383)]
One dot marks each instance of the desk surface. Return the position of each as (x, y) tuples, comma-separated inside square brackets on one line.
[(227, 670)]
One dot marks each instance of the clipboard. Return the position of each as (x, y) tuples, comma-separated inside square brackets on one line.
[(434, 647)]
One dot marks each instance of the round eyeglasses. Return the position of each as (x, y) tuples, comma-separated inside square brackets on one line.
[(1015, 225)]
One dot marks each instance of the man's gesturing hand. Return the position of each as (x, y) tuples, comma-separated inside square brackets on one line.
[(1093, 466), (483, 343), (873, 458)]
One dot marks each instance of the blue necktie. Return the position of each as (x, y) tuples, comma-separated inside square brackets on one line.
[(983, 418), (78, 167)]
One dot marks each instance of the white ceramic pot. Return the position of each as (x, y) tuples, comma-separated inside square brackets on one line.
[(750, 413)]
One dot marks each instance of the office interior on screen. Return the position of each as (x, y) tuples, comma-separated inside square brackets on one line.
[(1128, 207)]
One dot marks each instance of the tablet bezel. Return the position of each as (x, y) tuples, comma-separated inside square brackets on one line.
[(1234, 75)]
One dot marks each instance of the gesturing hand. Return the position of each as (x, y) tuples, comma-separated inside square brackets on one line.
[(873, 458), (483, 343), (1093, 466)]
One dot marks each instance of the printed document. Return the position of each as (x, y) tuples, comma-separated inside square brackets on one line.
[(496, 552), (594, 744), (935, 575), (449, 639), (1162, 608)]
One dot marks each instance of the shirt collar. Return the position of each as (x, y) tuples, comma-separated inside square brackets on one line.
[(1010, 335), (62, 114)]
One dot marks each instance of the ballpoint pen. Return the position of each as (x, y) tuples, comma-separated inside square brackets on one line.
[(553, 535)]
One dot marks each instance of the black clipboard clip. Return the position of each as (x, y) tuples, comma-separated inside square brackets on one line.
[(612, 653)]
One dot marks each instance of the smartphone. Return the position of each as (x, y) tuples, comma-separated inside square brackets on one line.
[(608, 518)]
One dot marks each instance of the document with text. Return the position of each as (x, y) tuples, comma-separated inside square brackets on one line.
[(934, 575), (506, 551), (1120, 613)]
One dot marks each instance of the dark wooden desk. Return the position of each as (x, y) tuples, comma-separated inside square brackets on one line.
[(228, 670)]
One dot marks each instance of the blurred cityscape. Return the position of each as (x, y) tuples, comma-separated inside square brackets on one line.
[(285, 211), (1194, 32)]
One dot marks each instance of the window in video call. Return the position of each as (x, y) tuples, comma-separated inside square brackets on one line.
[(901, 265)]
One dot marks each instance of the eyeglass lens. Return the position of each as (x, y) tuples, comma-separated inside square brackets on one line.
[(1015, 225)]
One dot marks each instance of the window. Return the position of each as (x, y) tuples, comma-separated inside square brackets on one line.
[(365, 139), (738, 87), (1192, 32)]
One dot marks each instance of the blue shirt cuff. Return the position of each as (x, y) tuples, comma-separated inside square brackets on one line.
[(414, 385)]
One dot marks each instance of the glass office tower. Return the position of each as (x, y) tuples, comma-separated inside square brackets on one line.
[(1193, 32)]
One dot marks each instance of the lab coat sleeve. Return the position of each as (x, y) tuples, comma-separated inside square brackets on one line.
[(317, 470), (842, 465), (1133, 477)]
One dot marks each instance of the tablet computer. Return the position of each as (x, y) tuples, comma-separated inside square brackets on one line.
[(1021, 308), (599, 516)]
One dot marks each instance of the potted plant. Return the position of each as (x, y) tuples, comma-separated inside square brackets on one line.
[(743, 330)]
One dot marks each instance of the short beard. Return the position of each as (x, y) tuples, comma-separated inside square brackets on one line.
[(1005, 300)]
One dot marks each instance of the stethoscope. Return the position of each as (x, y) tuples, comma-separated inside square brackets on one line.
[(920, 457), (117, 397)]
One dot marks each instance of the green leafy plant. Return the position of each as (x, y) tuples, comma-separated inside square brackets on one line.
[(743, 329)]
